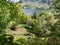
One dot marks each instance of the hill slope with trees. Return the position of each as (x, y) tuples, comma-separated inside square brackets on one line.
[(42, 29)]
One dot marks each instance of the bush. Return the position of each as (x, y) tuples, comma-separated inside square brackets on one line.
[(6, 39), (22, 41)]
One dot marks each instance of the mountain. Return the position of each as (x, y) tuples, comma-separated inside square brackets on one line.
[(36, 4)]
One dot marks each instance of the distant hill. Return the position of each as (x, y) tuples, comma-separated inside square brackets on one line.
[(36, 4)]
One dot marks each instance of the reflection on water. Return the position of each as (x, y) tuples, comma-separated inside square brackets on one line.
[(31, 11)]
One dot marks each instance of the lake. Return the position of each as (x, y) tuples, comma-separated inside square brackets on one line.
[(31, 11)]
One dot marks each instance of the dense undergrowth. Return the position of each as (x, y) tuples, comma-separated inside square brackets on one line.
[(46, 26)]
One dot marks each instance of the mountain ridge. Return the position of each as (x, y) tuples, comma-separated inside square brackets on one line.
[(36, 3)]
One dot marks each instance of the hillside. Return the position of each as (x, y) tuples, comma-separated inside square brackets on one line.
[(36, 3), (19, 28)]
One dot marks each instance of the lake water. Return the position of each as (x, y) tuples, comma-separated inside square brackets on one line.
[(31, 11)]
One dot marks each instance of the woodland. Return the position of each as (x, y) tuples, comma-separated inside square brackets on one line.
[(17, 28)]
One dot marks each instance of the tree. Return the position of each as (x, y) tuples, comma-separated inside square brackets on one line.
[(56, 4), (34, 15), (21, 1), (4, 14), (17, 13)]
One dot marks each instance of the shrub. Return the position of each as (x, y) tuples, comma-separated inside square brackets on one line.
[(6, 39)]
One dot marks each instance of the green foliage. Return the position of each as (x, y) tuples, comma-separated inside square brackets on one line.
[(37, 41), (34, 15), (17, 14), (46, 26), (53, 39), (6, 39), (10, 11), (56, 4), (21, 1), (23, 19), (22, 41), (4, 15)]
